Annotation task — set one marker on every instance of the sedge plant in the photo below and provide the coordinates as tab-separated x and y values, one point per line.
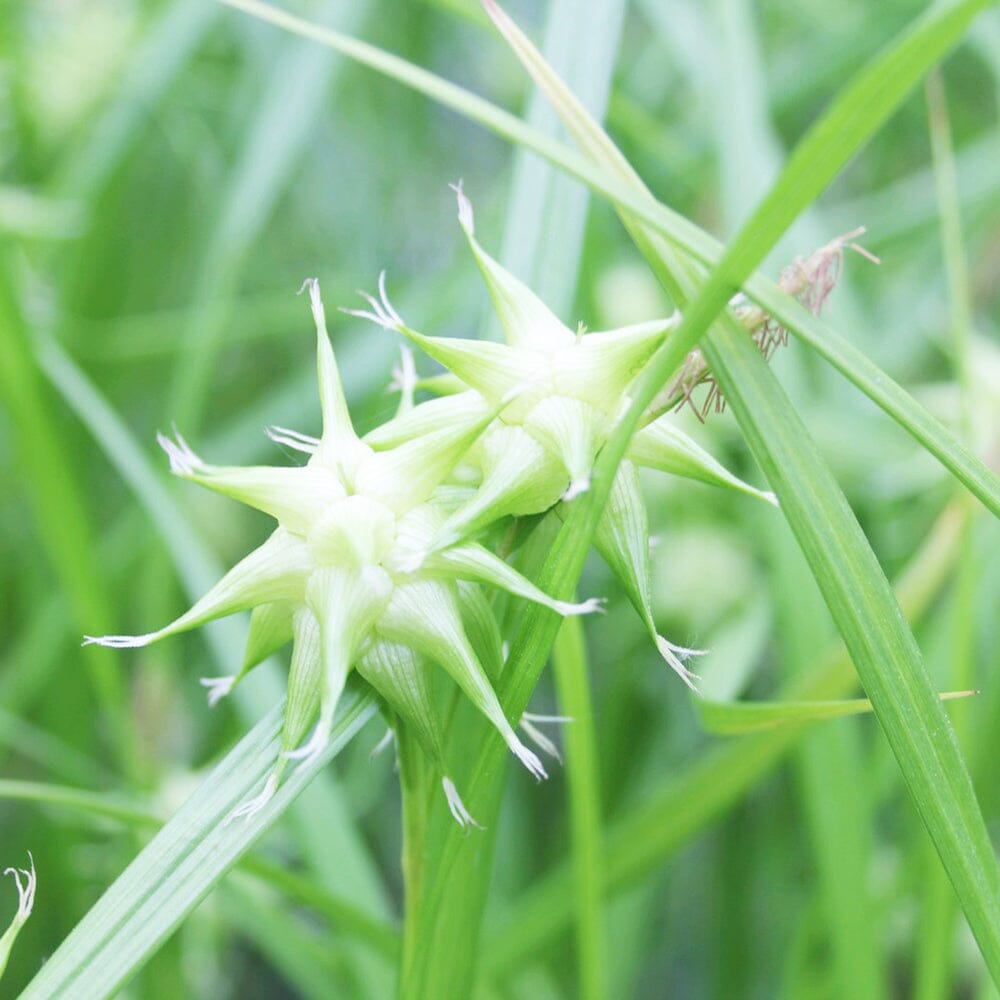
427	569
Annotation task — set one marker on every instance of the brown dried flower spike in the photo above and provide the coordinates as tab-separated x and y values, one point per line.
810	280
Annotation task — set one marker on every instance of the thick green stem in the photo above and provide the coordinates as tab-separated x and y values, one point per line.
413	781
569	665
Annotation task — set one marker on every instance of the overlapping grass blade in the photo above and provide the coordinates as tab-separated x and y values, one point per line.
569	665
936	926
344	914
183	862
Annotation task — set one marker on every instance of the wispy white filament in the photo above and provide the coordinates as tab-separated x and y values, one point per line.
462	815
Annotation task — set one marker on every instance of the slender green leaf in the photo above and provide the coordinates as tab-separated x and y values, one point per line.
311	964
543	243
824	525
936	925
90	803
299	78
569	665
344	914
183	862
734	718
154	65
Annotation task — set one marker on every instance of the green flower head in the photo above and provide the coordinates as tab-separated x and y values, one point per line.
349	577
563	392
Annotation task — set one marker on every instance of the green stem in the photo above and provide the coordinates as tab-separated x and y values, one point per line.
569	664
413	781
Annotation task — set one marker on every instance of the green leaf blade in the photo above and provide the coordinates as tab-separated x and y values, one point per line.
182	863
873	627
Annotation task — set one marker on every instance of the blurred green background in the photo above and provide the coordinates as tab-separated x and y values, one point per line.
170	172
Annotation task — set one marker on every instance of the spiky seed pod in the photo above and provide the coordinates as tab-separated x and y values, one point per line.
564	392
351	574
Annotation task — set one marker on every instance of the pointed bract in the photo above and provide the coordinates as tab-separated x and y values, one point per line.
346	603
526	320
425	615
519	477
294	496
601	366
408	474
481	627
339	447
573	430
474	562
403	679
491	369
270	629
276	571
664	446
428	418
622	538
305	679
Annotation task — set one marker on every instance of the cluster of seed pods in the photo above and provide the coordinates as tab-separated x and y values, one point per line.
377	563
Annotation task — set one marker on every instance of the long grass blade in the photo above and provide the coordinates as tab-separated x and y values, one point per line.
183	862
343	914
936	926
543	244
569	666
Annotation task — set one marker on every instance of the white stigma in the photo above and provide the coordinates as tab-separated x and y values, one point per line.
587	607
575	488
466	218
527	757
462	815
383	744
404	377
293	439
25	891
183	460
539	739
315	301
382	311
218	688
312	748
118	641
528	724
253	806
673	654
